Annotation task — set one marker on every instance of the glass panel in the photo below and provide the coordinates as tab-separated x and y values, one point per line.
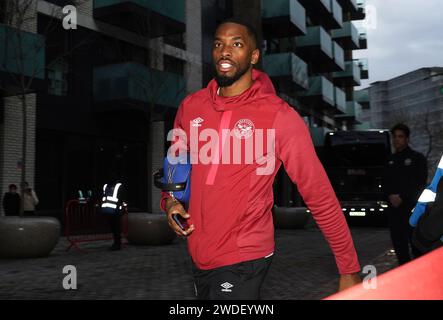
22	52
174	9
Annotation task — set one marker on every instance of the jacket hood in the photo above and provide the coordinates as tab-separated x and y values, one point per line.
261	88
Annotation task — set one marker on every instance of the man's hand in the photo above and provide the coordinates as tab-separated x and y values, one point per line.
175	207
395	200
348	280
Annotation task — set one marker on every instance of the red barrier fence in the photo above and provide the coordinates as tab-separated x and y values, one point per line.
85	223
420	279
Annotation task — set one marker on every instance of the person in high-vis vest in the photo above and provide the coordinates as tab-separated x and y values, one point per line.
427	216
114	205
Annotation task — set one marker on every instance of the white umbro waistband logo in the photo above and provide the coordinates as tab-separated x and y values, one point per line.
226	287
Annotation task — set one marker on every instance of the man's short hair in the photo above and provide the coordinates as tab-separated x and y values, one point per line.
12	186
252	32
401	127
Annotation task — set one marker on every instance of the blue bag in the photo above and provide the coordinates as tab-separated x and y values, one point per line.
176	178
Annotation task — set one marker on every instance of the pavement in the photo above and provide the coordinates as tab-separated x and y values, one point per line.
303	268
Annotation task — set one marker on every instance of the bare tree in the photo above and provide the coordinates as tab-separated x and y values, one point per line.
426	126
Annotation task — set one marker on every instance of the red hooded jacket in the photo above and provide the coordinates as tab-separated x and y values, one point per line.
231	200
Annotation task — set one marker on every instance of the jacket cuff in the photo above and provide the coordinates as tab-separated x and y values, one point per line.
163	199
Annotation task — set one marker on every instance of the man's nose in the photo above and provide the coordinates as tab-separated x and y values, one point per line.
226	52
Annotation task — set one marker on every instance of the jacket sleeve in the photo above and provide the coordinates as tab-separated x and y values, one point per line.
177	125
34	198
295	149
417	182
123	194
431	225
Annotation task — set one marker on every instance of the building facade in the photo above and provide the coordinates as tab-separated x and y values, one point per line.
308	52
416	99
102	97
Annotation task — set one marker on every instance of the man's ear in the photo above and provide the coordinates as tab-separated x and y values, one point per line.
255	56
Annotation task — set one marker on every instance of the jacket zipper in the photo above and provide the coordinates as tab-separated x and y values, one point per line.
224	124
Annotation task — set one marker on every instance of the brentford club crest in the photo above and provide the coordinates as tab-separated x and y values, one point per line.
244	128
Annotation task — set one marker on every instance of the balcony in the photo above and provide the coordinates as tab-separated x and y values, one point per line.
287	68
339	57
327	13
350	77
362	40
337	13
320	93
364	68
316	46
349	5
21	54
134	86
347	36
151	18
362	97
318	135
340	100
283	18
353	112
360	13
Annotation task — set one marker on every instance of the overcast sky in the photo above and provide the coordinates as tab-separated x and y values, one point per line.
407	35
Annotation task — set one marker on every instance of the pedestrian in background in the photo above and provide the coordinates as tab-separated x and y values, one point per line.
30	200
11	201
404	179
114	205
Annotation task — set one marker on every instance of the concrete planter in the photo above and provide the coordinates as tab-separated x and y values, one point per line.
149	229
290	217
28	237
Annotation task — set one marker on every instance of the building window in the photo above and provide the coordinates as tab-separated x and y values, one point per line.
3	10
62	3
2	108
57	76
173	65
134	53
176	40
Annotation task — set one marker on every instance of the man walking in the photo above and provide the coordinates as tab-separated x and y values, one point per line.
231	233
114	206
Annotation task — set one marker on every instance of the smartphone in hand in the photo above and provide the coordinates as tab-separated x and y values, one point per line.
182	223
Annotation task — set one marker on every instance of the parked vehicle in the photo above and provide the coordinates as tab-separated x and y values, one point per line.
355	162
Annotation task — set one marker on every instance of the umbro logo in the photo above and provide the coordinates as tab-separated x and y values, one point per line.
197	122
226	287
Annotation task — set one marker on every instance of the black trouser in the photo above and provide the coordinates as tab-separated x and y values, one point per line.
401	234
235	282
115	220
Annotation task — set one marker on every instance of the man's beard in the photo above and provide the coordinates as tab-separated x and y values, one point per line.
225	81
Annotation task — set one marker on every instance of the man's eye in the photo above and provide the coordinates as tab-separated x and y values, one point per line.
238	44
217	44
